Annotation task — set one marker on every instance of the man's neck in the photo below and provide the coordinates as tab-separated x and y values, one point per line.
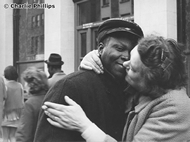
119	81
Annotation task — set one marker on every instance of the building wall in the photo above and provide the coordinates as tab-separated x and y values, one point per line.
59	32
156	16
6	35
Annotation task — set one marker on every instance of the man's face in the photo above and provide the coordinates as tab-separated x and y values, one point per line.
135	70
114	53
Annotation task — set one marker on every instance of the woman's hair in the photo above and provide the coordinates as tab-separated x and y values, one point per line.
36	76
165	64
10	73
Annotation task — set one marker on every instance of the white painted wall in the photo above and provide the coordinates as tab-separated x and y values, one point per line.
6	35
59	32
156	17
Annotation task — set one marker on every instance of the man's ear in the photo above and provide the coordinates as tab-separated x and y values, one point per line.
100	48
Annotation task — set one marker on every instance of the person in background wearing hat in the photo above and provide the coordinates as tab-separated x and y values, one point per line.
37	82
54	64
101	96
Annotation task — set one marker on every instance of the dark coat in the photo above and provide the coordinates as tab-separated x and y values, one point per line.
100	96
29	118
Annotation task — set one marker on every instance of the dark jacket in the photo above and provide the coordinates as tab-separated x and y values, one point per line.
29	118
100	96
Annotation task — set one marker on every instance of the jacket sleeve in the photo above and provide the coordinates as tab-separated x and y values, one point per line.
167	121
93	133
25	132
45	132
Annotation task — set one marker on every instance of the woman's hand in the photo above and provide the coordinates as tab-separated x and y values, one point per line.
91	61
70	117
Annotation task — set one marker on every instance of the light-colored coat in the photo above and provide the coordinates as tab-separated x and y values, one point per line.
2	97
166	118
55	78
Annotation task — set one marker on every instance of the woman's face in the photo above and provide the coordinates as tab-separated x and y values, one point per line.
135	70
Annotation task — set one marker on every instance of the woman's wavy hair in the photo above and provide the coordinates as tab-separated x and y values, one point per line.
165	64
36	76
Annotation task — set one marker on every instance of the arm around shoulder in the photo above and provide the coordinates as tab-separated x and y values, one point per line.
93	133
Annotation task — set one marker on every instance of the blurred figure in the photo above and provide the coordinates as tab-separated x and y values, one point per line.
13	104
54	64
38	86
2	98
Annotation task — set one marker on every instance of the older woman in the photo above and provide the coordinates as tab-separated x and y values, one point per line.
38	86
162	110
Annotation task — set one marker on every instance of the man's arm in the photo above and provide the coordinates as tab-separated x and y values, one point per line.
45	131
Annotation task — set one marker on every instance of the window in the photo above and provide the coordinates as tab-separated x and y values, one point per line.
88	11
42	19
122	1
40	44
37	45
30	50
34	21
105	3
83	44
38	20
33	49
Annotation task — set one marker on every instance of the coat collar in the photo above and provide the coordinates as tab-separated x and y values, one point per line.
143	102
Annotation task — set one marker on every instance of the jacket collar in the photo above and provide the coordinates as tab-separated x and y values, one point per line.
143	102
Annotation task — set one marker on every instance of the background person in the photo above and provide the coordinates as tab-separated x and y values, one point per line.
101	96
2	98
157	70
13	104
54	64
38	86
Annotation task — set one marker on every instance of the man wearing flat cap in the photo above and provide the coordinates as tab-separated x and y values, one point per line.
101	96
54	64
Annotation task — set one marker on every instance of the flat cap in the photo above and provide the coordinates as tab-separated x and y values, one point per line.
118	25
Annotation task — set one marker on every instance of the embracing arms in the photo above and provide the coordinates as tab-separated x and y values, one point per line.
72	117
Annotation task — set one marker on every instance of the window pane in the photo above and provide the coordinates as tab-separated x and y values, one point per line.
83	44
94	37
105	2
33	21
38	20
42	19
84	12
89	11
